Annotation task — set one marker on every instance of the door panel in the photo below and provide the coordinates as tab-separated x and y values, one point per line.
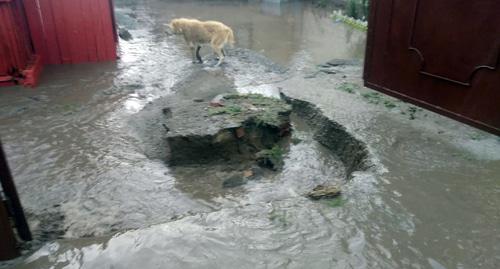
442	55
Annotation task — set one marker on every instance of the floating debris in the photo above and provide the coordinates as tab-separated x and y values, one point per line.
324	192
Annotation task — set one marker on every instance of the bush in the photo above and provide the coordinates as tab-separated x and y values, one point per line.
358	9
352	9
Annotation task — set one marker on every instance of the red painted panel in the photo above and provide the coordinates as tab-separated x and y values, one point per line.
15	45
61	30
50	33
32	72
78	30
57	31
98	26
36	29
78	40
89	31
65	11
108	36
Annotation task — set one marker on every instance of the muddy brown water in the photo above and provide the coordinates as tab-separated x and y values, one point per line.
85	176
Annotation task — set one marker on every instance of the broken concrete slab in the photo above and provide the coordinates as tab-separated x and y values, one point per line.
245	125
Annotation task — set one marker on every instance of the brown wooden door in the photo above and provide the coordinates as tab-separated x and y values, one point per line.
442	55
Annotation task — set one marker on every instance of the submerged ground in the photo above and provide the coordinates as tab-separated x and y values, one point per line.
87	177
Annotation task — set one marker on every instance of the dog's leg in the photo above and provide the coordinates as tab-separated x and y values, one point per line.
223	53
193	53
220	54
198	54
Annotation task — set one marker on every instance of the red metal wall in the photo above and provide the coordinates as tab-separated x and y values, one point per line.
36	32
16	52
72	31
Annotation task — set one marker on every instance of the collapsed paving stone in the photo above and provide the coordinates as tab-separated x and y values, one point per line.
324	192
245	125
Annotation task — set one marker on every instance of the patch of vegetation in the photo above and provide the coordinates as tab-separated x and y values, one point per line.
335	202
349	87
372	97
354	23
321	3
352	9
377	98
412	111
264	111
355	14
270	158
253	98
232	110
267	118
365	5
275	153
389	104
358	9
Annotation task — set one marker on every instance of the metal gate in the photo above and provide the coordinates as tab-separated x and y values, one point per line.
442	55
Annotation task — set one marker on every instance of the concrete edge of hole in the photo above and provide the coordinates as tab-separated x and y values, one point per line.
353	152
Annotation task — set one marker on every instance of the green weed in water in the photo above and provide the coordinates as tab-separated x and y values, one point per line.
389	104
349	87
372	97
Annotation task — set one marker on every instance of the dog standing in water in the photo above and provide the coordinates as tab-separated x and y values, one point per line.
197	32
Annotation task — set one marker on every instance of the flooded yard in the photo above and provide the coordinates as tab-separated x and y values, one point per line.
87	154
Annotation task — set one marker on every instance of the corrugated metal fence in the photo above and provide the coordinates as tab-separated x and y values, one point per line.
35	32
73	31
15	45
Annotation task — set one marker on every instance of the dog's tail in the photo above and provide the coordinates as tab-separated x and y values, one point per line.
230	37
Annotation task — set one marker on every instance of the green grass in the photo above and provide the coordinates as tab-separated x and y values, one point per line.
254	98
354	23
352	9
389	104
232	110
349	87
275	155
372	97
321	3
412	111
267	110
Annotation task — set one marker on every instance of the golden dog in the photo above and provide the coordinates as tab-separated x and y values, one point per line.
197	32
